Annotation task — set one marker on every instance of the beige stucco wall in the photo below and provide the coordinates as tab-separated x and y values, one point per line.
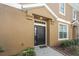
52	31
41	11
68	11
16	32
78	24
53	28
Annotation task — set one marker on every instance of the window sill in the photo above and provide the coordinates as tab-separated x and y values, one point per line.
74	19
63	39
62	13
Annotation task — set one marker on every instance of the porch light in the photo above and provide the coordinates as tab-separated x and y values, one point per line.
40	18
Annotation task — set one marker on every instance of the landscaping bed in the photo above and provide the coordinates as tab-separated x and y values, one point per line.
26	52
69	47
68	51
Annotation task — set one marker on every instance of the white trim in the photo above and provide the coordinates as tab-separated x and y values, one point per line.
67	31
57	18
15	5
18	6
40	20
50	10
45	25
60	9
73	15
62	20
32	5
39	24
38	5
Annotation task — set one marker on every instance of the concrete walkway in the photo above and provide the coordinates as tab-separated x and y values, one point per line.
46	51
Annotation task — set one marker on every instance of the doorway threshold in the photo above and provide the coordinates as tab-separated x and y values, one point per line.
41	46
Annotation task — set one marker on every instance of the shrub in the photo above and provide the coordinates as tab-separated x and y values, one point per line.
27	52
1	49
65	43
76	41
68	43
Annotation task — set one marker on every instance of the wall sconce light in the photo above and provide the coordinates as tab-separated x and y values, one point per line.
40	18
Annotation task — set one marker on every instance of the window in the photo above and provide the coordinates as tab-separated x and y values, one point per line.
74	14
62	8
63	31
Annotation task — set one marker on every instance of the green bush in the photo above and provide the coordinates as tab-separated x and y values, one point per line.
68	43
1	49
65	43
76	41
27	52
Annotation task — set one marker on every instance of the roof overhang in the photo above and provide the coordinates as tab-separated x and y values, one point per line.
27	6
24	5
15	5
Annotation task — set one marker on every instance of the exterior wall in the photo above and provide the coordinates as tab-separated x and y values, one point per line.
78	15
54	41
68	11
16	32
52	31
76	26
70	31
41	11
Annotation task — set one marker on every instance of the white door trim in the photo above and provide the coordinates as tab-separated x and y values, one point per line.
40	24
45	25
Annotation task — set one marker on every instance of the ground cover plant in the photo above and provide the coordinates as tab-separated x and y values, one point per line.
69	47
26	52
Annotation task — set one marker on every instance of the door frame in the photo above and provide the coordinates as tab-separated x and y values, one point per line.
45	25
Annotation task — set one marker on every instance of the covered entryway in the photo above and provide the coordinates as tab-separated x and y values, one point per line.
39	33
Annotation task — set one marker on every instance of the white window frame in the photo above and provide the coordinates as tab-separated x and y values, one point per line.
74	14
59	31
60	9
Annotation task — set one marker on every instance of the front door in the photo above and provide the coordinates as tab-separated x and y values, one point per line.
39	35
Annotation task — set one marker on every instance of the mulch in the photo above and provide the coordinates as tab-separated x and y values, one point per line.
65	52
